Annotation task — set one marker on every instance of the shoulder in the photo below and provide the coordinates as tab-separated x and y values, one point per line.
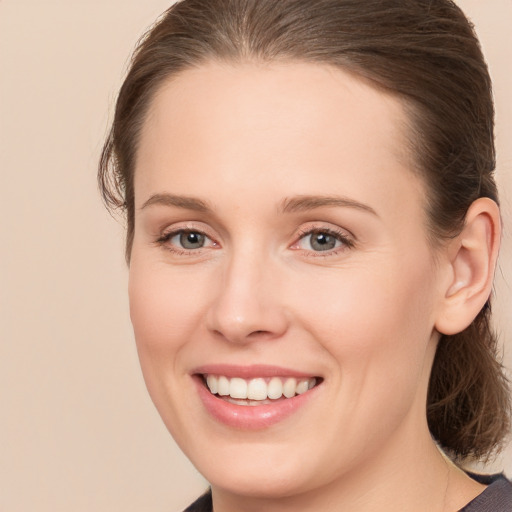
497	496
203	504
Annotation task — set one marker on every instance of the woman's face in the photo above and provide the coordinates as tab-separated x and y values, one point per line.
280	243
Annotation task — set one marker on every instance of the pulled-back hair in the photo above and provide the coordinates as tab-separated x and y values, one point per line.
426	53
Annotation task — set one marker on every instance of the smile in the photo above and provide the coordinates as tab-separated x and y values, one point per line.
259	390
254	397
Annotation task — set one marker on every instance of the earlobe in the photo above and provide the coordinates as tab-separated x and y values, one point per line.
471	263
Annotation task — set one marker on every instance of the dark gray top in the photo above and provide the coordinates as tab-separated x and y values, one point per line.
497	497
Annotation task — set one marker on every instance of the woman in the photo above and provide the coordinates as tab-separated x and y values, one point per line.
312	235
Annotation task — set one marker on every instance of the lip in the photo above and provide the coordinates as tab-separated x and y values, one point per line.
251	371
250	417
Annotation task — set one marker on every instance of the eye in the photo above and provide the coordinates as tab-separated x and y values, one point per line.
323	240
189	239
185	240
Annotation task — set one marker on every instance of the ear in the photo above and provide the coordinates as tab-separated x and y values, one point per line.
469	261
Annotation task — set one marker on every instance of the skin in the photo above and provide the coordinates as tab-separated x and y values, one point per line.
244	140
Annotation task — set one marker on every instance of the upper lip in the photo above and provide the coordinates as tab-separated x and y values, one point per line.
250	371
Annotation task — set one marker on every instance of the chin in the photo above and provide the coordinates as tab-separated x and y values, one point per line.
258	471
259	482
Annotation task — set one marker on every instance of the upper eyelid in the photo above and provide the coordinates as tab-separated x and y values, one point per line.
169	235
314	227
186	226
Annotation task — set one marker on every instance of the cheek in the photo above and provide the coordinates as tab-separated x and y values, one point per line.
377	331
164	306
377	327
358	309
165	311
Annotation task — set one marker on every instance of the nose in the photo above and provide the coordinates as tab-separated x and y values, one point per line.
248	303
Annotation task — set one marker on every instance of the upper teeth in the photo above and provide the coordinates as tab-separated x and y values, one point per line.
259	388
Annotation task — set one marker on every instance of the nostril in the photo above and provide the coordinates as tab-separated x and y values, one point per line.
260	334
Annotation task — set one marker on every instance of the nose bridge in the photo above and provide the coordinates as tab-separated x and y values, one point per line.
247	304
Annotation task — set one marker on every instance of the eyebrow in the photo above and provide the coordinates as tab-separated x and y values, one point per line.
305	203
185	202
289	205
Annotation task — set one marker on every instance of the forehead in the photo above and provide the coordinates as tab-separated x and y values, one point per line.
301	124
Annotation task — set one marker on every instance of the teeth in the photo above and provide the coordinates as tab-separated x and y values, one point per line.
223	386
275	388
212	384
302	387
258	389
290	387
238	388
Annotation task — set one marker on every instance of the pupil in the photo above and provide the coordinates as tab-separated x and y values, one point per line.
190	240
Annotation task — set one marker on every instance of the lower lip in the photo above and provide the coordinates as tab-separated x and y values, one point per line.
247	417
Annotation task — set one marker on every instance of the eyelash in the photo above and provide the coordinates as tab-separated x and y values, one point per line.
340	236
164	239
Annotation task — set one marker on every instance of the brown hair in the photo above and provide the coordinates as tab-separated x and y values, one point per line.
423	51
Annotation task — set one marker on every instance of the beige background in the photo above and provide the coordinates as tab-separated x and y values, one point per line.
77	430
